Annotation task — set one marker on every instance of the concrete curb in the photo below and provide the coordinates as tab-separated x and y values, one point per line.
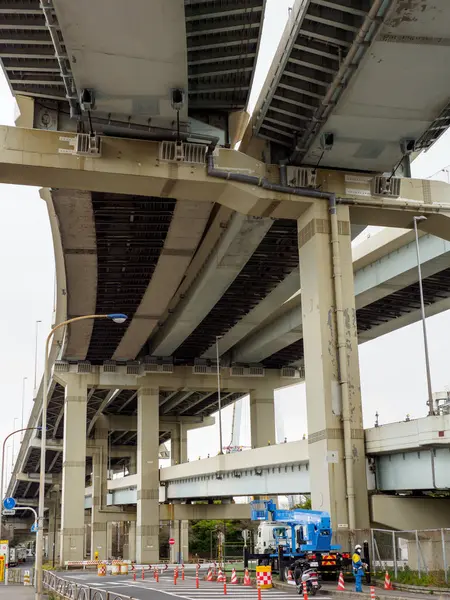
414	589
351	595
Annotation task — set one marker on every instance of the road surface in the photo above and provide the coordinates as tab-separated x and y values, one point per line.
166	590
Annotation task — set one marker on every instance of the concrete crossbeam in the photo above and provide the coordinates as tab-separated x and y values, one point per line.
190	512
181	378
130	423
49	478
46	158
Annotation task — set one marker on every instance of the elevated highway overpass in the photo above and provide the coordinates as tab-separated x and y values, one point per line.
198	241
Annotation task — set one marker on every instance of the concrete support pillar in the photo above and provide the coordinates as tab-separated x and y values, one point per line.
74	469
132	465
147	532
54	525
179	531
109	539
262	419
132	541
99	489
325	408
178	444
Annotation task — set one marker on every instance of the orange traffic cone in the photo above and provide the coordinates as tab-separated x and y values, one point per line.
305	591
234	580
247	581
290	579
341	584
387	582
372	593
220	577
209	577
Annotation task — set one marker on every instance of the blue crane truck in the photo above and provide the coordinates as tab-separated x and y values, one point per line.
286	536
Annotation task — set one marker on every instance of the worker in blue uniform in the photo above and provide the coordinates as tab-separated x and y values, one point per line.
358	568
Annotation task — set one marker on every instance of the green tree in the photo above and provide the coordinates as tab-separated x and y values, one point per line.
305	503
203	534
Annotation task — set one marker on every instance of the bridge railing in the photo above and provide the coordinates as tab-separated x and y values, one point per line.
69	590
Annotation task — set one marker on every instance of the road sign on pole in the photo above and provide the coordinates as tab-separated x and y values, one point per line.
9	503
34	527
171	541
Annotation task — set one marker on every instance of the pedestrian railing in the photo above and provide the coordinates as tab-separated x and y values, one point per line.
69	590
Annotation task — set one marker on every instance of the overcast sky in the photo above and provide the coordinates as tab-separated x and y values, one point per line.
392	367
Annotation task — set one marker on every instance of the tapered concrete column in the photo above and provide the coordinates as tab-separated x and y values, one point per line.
262	419
323	388
99	489
147	531
178	444
74	469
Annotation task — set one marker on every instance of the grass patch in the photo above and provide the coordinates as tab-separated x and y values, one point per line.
407	576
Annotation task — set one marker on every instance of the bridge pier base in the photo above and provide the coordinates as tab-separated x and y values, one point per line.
330	486
147	531
262	418
74	469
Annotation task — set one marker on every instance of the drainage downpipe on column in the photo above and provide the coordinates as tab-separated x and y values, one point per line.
337	278
342	361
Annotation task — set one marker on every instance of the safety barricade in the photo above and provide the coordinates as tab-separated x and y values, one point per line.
264	577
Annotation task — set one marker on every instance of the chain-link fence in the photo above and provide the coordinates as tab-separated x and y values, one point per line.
413	557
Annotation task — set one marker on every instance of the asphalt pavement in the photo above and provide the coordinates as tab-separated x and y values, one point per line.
150	590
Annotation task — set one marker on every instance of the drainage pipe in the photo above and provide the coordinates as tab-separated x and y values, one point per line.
342	362
69	83
340	326
371	19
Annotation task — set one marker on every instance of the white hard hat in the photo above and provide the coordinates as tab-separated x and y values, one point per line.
358	547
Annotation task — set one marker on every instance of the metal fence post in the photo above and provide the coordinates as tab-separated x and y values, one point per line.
444	556
418	553
372	545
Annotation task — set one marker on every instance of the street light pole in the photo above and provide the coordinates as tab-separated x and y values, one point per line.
35	355
219	399
424	325
2	479
13	445
23	400
117	318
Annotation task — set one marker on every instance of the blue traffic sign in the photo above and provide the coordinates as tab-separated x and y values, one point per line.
9	503
34	528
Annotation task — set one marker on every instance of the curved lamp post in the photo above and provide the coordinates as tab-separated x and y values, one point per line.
117	318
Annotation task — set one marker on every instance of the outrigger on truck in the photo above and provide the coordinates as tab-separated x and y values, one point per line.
288	536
